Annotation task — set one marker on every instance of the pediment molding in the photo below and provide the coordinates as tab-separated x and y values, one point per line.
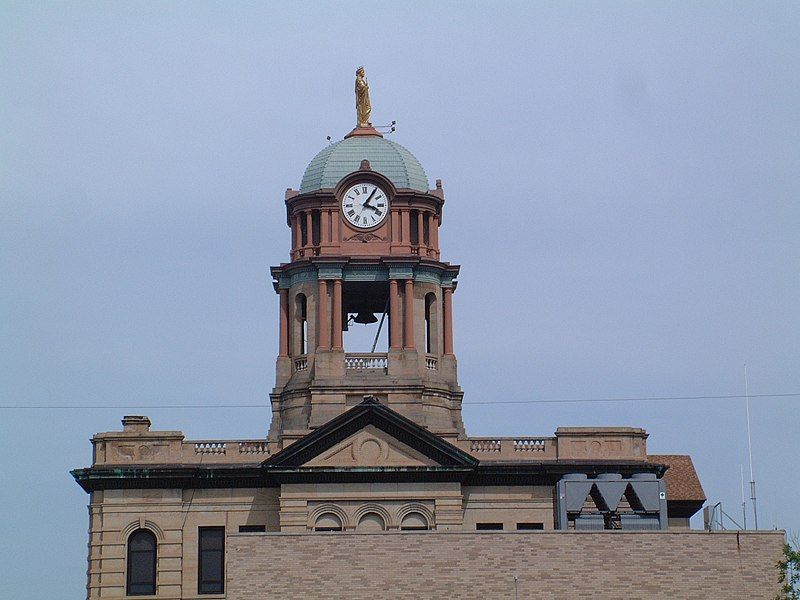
390	432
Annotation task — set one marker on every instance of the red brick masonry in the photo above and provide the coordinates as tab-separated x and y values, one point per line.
482	565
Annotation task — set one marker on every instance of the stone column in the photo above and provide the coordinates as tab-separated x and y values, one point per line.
409	315
396	230
295	233
433	234
324	333
420	229
309	230
405	216
324	219
395	327
284	323
335	227
337	315
448	321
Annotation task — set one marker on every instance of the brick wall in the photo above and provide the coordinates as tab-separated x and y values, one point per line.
482	565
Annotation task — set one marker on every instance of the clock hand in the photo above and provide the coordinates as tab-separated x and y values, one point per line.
366	202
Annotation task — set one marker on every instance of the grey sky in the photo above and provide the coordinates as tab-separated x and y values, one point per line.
638	163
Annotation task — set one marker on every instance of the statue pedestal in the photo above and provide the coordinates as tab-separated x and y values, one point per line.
364	130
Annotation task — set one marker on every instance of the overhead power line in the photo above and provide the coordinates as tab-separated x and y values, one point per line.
470	403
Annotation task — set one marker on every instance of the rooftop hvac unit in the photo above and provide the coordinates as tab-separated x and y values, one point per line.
640	522
589	523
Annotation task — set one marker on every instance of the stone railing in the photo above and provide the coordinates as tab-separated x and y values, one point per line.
366	361
431	362
210	447
169	447
481	445
225	451
529	444
301	363
253	448
517	448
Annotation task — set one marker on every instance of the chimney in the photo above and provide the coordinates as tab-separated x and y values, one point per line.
135	424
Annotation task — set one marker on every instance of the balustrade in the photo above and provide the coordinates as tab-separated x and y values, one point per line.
431	362
226	450
529	445
544	448
301	363
366	361
210	447
253	448
485	445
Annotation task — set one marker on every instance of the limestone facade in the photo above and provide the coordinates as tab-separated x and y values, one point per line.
372	443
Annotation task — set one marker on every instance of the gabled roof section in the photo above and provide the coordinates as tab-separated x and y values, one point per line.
681	477
371	412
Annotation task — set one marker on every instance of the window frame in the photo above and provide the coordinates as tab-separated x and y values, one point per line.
151	591
530	526
202	584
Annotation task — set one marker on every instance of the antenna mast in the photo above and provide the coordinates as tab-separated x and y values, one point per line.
750	451
744	505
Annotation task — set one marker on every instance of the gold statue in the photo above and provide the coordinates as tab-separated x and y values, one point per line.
363	107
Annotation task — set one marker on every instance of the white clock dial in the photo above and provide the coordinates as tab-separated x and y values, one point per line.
365	205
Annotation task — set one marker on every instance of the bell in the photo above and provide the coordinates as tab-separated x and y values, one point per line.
365	318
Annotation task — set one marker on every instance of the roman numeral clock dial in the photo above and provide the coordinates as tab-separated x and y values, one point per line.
365	205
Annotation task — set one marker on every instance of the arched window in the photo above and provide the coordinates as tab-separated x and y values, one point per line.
430	324
414	521
328	522
301	320
414	233
371	522
141	563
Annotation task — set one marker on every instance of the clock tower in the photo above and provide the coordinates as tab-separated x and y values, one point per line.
365	254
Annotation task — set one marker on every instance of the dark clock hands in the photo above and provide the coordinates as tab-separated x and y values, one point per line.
366	202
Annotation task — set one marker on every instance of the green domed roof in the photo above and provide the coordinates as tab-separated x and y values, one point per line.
387	158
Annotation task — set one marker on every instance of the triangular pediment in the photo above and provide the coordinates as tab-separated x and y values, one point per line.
370	436
371	447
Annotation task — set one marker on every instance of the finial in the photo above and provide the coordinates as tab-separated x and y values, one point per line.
363	106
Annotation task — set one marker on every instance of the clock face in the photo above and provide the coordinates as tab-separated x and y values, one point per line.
365	205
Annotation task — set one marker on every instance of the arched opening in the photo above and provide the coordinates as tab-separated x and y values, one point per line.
303	230
414	521
316	229
365	307
371	522
414	232
430	324
328	522
301	323
141	576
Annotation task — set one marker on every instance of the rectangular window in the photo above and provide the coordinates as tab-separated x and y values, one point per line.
530	526
252	528
211	560
489	526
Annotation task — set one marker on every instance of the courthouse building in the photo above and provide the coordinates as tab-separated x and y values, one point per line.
373	443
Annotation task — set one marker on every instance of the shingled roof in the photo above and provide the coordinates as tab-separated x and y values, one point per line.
681	477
